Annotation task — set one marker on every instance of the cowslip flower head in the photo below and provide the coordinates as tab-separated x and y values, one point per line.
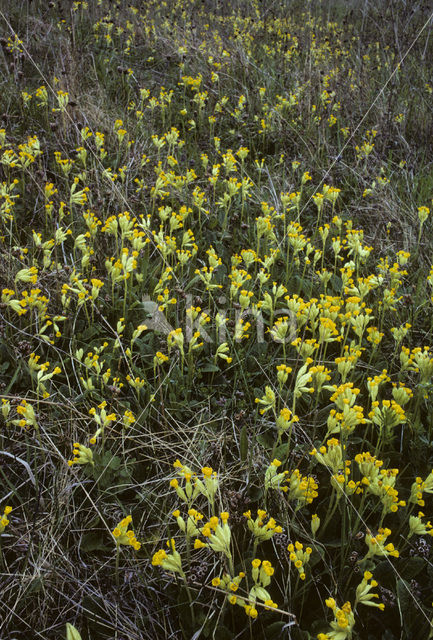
123	536
82	455
4	521
363	595
377	545
259	528
169	561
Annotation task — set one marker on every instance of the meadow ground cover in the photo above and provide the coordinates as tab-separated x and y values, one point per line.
216	280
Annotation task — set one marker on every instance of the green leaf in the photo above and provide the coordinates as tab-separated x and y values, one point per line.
4	367
149	306
209	367
223	633
336	283
255	493
244	443
301	634
318	554
266	440
72	633
95	609
93	541
281	451
115	463
184	609
274	630
36	586
412	567
384	574
17	373
406	605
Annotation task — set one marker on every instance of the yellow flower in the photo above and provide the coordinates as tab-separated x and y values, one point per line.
251	611
123	536
4	520
198	544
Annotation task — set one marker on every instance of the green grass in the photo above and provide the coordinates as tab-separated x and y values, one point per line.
215	253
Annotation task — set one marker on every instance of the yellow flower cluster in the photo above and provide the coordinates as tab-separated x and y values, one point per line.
123	536
299	557
208	487
82	455
301	488
260	529
377	545
417	526
4	521
343	622
168	561
419	487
